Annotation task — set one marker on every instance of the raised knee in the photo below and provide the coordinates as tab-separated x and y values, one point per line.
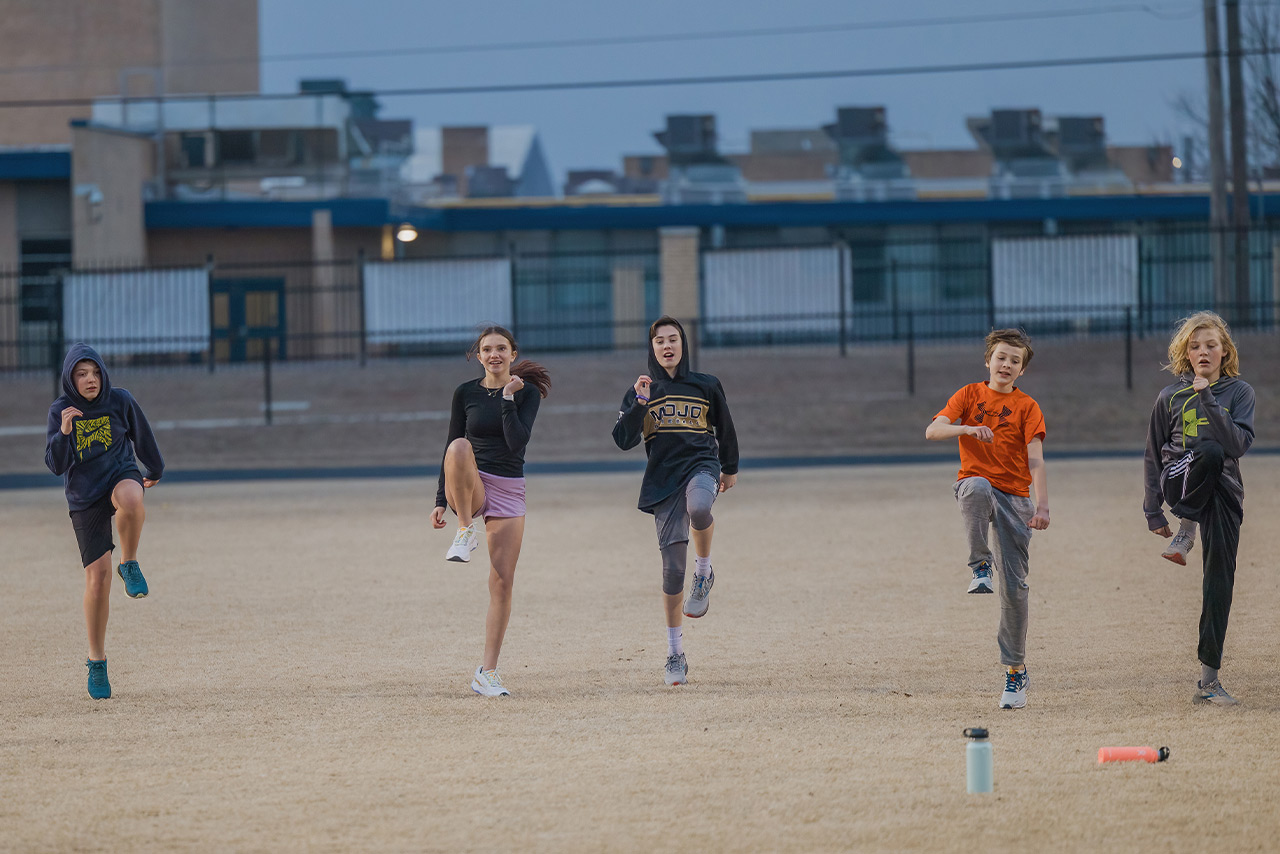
1211	452
459	449
700	518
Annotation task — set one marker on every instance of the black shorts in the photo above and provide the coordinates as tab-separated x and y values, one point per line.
93	524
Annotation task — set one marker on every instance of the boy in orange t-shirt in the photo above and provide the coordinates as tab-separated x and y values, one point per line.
1001	433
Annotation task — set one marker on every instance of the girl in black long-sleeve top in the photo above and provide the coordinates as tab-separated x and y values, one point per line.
482	475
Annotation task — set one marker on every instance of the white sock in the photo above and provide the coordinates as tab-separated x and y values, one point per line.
675	640
701	566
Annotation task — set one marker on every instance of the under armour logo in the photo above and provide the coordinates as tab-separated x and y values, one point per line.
1003	414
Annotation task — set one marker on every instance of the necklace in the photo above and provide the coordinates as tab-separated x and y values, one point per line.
493	392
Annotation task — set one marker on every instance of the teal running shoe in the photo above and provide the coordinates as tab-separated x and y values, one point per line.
99	687
135	586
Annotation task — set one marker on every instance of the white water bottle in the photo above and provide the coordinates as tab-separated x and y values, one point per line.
977	759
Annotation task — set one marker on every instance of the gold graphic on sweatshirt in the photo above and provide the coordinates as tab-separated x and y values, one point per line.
90	430
1191	423
672	414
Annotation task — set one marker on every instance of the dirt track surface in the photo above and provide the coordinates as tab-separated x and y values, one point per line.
785	402
298	679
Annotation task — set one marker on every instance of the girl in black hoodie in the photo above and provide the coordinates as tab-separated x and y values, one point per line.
688	434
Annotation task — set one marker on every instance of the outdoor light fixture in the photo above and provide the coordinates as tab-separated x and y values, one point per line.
1177	163
406	233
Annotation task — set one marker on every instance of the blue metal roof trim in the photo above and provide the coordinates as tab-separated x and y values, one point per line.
35	165
347	213
374	213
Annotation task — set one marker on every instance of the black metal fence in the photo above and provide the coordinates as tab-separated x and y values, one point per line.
837	294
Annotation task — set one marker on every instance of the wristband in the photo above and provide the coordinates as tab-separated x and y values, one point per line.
640	399
510	397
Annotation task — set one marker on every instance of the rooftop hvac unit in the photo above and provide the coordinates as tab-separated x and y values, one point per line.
863	125
1015	128
689	138
1081	134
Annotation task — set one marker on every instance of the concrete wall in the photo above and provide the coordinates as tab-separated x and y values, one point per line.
90	43
8	229
108	173
8	275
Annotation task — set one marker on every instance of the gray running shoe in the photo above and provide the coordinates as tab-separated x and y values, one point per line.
1014	695
1213	693
677	669
981	582
1178	548
699	595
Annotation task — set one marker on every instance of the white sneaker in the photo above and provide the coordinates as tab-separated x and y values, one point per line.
1015	689
1178	548
464	543
487	683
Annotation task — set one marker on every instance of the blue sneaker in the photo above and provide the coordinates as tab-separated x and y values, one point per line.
981	582
1015	688
135	586
99	687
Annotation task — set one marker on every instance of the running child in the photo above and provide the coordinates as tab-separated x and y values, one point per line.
482	476
1200	427
688	434
1001	432
93	433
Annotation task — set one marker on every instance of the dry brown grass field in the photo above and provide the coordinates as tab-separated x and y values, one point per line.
298	679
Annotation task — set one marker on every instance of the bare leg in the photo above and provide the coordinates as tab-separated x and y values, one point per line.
673	603
463	488
702	540
130	514
97	604
504	537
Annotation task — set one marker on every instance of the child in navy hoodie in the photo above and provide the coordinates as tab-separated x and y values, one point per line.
94	431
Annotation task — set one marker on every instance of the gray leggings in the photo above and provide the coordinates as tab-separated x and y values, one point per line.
689	506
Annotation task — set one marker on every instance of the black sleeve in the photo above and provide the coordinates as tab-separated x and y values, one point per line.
629	428
726	435
457	429
518	416
144	440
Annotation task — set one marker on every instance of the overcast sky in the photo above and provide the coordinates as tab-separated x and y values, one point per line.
592	129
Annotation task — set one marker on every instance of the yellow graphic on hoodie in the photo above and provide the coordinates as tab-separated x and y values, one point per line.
90	430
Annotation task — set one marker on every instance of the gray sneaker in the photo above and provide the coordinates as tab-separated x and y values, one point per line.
981	582
677	669
1213	693
699	595
1178	548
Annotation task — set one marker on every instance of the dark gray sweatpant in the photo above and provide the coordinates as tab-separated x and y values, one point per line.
984	508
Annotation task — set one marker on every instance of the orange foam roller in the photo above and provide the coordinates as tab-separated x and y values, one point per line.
1131	754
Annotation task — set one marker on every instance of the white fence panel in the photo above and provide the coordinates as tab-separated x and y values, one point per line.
142	311
1061	278
773	292
433	301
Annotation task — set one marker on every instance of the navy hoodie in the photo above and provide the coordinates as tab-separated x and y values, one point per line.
100	450
685	426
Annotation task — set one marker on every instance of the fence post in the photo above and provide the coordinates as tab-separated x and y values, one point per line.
266	378
208	266
844	301
513	263
364	334
58	344
1128	347
911	353
693	343
893	293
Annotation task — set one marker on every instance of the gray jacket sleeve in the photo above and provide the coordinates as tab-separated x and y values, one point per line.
1157	436
1232	426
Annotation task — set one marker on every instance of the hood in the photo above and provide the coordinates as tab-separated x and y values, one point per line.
78	353
656	371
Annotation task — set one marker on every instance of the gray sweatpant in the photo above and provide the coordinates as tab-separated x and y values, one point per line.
983	507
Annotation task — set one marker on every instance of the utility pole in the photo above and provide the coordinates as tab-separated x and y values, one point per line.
1239	162
1217	155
